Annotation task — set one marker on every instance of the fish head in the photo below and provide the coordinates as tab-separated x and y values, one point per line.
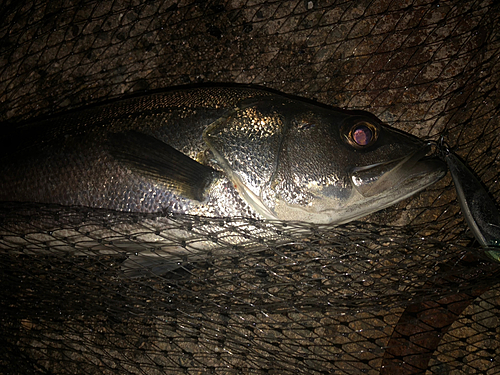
297	161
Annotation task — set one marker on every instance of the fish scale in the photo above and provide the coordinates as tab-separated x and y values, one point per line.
260	161
141	154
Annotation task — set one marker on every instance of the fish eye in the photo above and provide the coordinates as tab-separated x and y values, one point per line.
363	134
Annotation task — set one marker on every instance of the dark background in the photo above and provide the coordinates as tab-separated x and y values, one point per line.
428	67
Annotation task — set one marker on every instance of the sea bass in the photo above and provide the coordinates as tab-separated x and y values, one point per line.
133	176
218	152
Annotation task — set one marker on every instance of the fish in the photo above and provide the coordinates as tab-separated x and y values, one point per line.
478	208
225	151
217	151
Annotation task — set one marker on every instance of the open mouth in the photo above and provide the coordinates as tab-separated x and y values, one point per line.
419	169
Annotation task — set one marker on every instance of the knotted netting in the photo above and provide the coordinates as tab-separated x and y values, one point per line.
405	290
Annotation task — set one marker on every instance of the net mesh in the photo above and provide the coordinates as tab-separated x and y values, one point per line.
404	291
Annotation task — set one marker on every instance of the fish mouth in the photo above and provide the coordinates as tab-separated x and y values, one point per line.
408	175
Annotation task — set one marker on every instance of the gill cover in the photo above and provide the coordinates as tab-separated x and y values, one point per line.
246	144
282	157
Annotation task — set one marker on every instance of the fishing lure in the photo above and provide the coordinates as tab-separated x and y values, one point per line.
479	209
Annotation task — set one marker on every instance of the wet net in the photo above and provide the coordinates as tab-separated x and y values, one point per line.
405	290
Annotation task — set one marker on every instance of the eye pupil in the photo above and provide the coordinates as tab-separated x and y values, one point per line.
362	135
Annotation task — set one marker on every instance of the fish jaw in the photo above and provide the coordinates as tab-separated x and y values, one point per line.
380	186
388	184
375	179
407	182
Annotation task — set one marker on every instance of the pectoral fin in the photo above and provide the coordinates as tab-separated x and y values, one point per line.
151	158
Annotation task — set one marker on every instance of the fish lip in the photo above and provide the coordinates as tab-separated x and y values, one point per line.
371	180
416	155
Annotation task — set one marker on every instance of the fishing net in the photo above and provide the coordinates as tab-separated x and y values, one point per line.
405	290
